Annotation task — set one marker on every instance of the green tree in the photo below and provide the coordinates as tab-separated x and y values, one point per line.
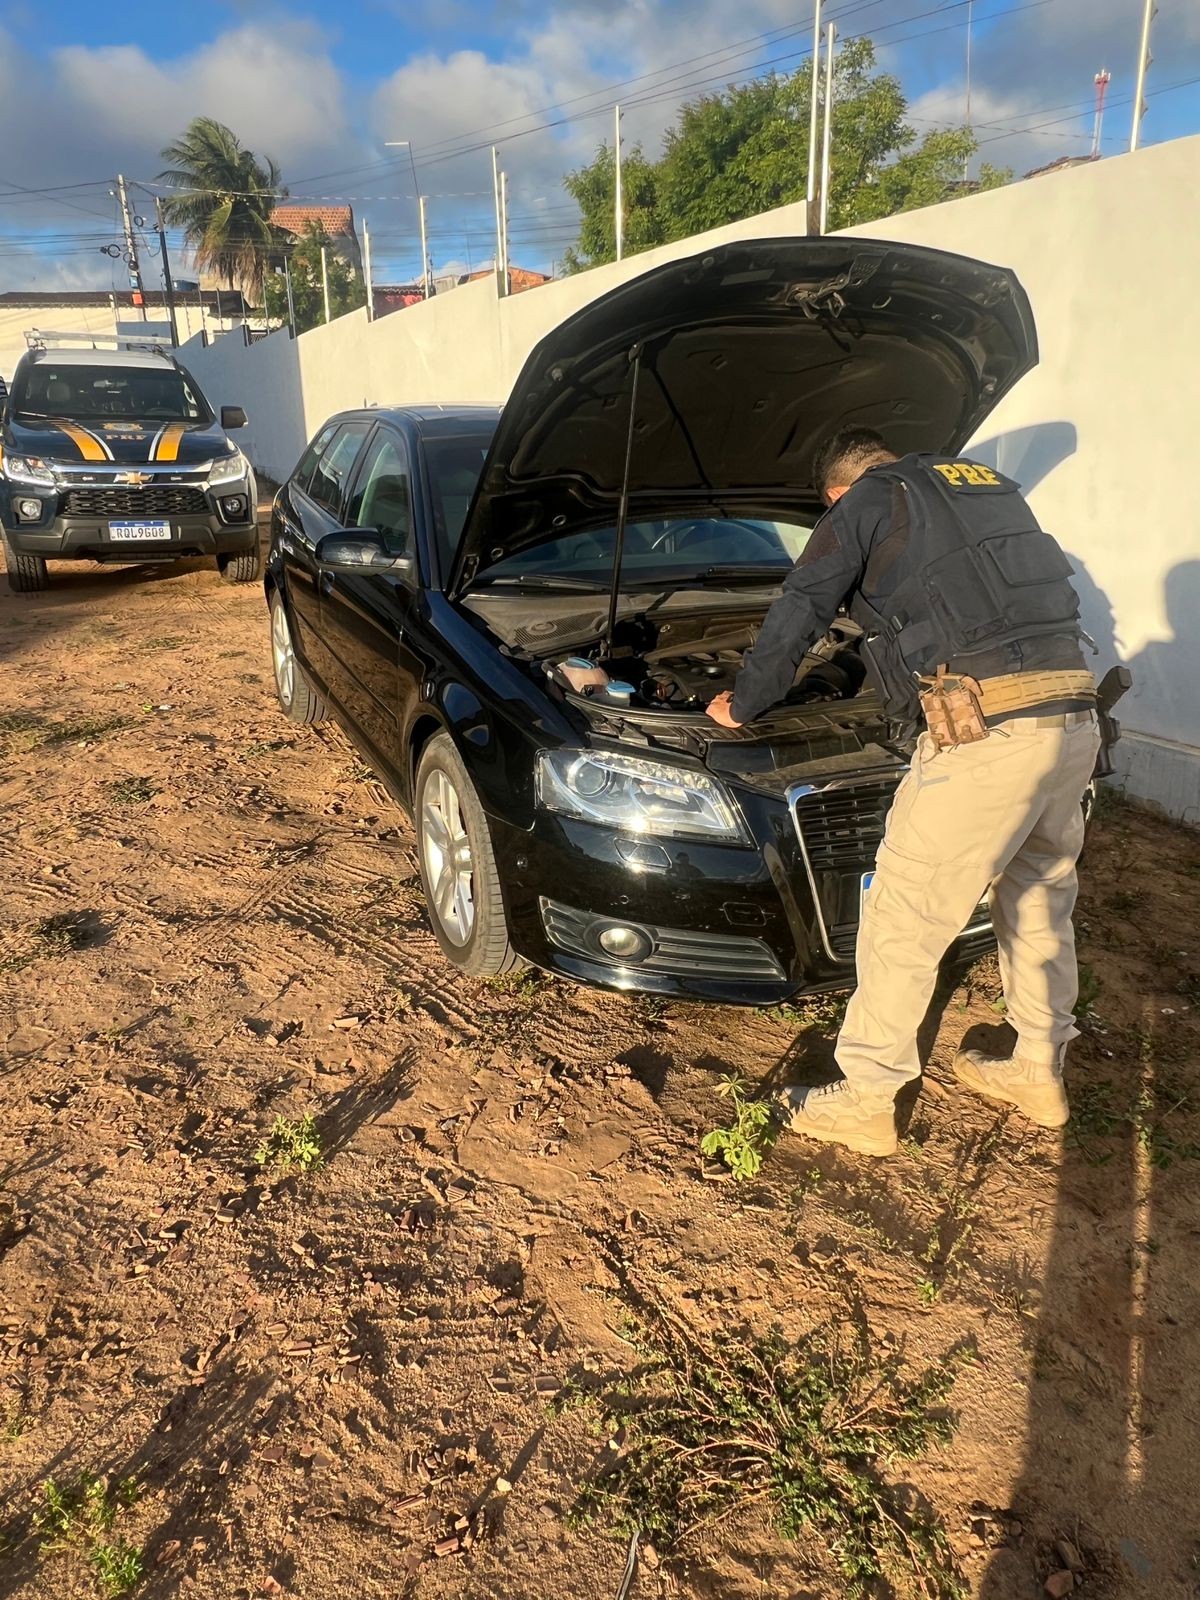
347	291
744	151
223	201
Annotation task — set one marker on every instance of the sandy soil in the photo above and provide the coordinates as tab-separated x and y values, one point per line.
209	917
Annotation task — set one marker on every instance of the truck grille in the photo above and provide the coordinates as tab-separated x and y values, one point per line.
840	830
152	500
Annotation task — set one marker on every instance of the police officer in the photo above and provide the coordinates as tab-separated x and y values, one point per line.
971	631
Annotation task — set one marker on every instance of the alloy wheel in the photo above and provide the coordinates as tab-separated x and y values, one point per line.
446	851
282	655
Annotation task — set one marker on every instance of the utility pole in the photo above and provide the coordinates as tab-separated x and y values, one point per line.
287	284
325	278
618	197
501	275
1102	80
827	140
1144	58
813	120
367	271
131	251
424	249
168	281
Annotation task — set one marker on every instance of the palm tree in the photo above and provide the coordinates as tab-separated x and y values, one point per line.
223	200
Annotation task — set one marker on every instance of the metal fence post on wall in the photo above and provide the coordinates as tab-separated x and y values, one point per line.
367	272
618	196
501	251
325	279
814	112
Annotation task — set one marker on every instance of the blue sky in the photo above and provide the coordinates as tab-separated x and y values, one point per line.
86	91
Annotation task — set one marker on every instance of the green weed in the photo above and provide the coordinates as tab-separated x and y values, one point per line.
22	731
1089	992
117	1567
172	641
713	1423
823	1012
1098	1114
132	791
752	1132
292	1146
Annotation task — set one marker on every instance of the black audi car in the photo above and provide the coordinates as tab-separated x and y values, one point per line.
520	616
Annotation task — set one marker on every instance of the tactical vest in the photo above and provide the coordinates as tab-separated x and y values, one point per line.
975	575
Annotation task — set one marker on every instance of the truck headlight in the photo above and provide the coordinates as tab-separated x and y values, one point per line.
28	469
633	795
230	469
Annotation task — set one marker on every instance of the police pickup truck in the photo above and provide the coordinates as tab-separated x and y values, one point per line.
115	455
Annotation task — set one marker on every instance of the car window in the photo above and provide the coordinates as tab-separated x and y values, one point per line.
453	466
382	495
302	476
335	466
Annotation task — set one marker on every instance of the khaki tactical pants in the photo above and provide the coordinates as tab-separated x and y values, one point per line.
1001	817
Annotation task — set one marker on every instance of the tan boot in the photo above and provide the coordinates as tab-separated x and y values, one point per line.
1034	1087
837	1115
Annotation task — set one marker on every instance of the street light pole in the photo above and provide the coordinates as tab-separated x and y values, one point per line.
325	279
504	225
827	141
501	248
406	144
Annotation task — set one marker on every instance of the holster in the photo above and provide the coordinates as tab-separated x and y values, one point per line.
953	709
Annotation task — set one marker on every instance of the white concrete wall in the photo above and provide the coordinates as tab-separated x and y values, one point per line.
1102	434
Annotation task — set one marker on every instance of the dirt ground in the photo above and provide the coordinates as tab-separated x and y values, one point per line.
210	917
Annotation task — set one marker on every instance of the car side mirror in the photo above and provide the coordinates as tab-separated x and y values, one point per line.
360	550
233	417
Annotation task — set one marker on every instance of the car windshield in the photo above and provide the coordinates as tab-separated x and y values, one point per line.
130	394
670	549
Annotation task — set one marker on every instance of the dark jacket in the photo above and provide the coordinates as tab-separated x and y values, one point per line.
938	560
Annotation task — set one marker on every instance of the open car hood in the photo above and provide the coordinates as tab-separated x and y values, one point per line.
750	356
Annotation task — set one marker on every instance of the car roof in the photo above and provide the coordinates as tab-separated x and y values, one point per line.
432	420
101	358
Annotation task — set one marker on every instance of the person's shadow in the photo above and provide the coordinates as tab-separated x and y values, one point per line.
1166	672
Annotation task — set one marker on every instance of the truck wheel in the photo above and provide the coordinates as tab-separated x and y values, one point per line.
26	574
240	568
458	865
298	700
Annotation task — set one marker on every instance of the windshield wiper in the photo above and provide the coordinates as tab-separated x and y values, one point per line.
542	580
746	572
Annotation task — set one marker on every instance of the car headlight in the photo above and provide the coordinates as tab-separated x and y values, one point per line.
637	796
28	469
230	469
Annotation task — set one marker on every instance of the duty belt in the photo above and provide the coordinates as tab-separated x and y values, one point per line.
1019	691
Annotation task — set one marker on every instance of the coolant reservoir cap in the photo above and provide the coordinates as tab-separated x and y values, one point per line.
617	690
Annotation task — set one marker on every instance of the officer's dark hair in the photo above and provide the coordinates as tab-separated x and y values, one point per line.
846	456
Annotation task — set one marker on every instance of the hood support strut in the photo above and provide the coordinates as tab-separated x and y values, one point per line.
635	359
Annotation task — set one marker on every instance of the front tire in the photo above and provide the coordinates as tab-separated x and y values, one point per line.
26	574
244	567
297	699
458	865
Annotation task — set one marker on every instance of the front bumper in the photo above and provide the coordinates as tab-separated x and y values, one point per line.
726	923
208	526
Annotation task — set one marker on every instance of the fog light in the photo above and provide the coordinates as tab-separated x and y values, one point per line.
233	505
30	510
628	944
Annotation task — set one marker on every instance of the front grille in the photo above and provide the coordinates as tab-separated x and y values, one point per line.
676	952
151	500
840	830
